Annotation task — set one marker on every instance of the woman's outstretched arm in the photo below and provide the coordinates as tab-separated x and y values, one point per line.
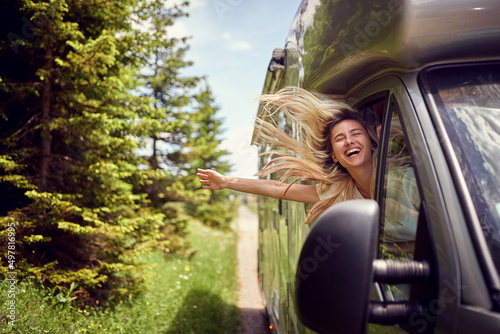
270	188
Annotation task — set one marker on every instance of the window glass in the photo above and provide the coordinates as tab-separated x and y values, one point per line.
400	202
468	101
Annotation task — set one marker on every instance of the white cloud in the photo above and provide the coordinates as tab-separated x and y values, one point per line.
178	30
240	46
236	45
243	156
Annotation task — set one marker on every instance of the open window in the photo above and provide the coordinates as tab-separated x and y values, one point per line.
404	233
400	198
398	193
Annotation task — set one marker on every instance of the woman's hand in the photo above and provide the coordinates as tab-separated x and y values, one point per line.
211	179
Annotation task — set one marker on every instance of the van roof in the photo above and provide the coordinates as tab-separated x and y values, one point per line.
344	43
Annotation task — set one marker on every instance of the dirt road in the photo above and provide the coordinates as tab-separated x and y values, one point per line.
254	318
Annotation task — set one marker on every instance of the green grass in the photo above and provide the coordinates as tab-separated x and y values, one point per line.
183	295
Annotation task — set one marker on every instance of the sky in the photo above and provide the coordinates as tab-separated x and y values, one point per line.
231	43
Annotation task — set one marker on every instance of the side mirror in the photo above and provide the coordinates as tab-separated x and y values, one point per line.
337	268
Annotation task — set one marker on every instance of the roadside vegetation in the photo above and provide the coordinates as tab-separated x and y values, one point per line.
104	227
191	293
101	134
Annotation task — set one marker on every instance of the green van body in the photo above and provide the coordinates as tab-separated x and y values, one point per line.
399	52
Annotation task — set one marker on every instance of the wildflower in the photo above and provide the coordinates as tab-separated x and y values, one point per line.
187	268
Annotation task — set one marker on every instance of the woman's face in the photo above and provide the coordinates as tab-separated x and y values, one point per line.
351	144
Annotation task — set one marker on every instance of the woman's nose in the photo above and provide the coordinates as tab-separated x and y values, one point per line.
348	141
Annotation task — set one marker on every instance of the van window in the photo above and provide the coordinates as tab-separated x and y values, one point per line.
400	201
467	99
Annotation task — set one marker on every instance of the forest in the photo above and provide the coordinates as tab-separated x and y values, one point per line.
100	138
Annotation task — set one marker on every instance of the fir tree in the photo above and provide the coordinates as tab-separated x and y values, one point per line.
203	151
84	87
67	156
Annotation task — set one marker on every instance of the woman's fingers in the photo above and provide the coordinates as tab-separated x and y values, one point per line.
203	173
204	176
206	184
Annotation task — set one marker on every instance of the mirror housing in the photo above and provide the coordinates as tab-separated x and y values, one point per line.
334	274
337	268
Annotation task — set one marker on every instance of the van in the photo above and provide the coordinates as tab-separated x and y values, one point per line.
426	75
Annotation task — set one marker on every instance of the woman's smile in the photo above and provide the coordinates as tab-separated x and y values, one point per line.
351	145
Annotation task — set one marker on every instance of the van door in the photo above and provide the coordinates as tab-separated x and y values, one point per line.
404	178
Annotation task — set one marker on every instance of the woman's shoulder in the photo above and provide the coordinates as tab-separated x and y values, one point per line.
326	190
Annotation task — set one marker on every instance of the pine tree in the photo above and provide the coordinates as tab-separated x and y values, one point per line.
84	87
203	151
68	158
162	125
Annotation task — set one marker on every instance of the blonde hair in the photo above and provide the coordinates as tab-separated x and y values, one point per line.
314	115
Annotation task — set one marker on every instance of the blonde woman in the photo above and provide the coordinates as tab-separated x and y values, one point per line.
337	151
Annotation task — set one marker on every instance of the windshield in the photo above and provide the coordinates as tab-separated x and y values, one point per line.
468	101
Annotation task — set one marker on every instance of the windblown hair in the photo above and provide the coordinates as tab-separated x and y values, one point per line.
309	157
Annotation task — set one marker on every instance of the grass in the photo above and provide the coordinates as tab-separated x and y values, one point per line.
183	295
